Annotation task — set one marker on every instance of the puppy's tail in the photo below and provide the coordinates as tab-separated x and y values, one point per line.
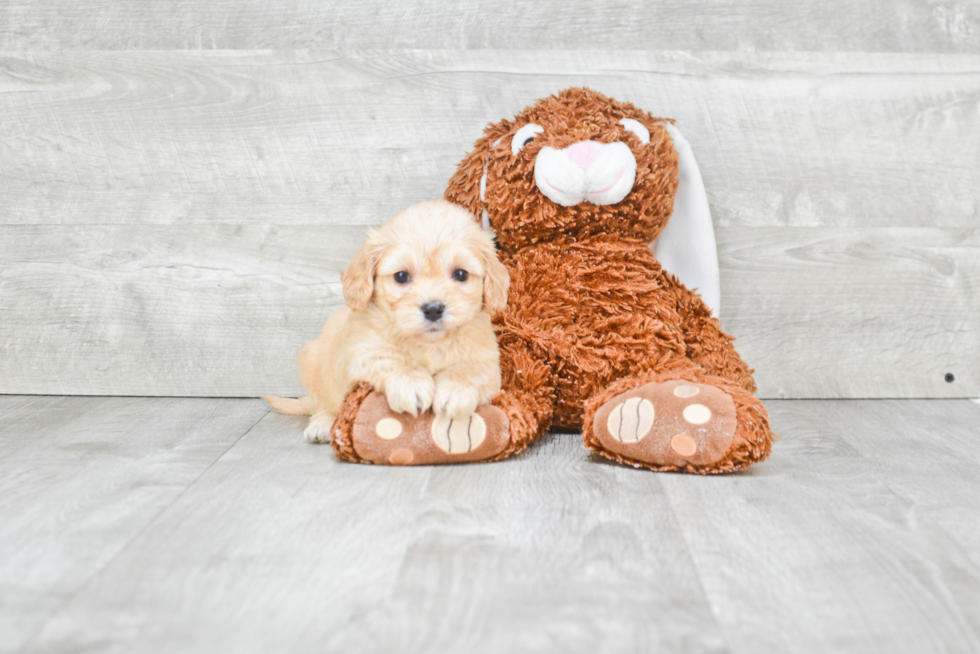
289	406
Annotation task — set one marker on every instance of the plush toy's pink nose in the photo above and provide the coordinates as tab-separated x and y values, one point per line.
584	153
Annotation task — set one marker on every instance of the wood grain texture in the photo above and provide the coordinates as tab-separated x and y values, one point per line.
81	478
841	542
328	137
223	310
318	555
854	312
739	25
184	310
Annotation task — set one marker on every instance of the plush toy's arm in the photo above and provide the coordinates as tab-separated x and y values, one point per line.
686	247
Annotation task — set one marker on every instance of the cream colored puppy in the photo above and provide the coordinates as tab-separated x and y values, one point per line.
417	322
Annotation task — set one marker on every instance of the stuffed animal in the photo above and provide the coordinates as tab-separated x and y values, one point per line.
597	336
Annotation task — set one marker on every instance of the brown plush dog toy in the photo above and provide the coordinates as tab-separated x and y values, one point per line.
597	336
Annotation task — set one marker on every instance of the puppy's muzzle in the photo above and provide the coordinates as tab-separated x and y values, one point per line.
433	311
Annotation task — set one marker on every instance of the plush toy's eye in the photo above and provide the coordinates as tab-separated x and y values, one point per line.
524	136
402	277
637	128
460	275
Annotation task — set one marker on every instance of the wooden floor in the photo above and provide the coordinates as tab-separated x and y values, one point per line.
207	525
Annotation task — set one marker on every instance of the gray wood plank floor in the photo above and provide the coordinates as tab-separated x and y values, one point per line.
835	25
174	221
326	137
223	311
203	525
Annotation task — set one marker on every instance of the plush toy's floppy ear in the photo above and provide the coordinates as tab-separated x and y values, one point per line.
686	247
358	277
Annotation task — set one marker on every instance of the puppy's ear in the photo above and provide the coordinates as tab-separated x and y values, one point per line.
496	281
358	278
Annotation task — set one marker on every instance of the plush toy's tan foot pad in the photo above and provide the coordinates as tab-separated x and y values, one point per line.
388	438
674	423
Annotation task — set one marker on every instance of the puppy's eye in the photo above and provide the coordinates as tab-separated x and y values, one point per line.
637	128
460	275
402	277
524	136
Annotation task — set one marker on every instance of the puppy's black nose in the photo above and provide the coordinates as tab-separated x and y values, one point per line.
433	311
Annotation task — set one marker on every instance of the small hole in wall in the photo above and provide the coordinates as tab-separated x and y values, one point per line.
950	378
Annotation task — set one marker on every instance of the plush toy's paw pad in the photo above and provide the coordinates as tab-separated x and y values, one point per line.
674	423
383	436
459	435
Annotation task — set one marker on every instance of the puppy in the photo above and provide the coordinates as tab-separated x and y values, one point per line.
416	325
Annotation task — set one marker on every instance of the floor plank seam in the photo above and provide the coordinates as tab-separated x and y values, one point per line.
697	569
95	575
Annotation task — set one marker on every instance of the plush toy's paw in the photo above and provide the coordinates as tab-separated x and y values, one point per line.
674	423
383	436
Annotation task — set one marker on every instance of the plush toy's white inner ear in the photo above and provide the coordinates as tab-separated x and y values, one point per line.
637	128
686	247
483	187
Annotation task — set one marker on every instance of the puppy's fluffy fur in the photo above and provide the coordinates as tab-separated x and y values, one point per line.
383	336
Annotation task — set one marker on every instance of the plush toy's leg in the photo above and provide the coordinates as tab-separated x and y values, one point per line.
368	431
708	346
685	421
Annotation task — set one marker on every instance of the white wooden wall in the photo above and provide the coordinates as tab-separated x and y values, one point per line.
181	182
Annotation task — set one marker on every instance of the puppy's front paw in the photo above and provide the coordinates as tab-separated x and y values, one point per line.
455	401
318	431
410	394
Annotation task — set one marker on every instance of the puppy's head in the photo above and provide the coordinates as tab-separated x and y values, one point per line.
428	271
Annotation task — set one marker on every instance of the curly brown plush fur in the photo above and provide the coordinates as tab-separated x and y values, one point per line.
590	311
343	426
592	319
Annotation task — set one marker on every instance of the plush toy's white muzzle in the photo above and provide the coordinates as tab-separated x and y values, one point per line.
599	173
